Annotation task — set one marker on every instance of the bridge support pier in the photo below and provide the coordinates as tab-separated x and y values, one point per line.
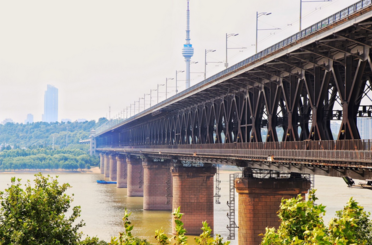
193	192
106	165
102	163
135	177
157	192
121	171
259	200
113	167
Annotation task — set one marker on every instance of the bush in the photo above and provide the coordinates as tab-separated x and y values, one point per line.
37	215
302	223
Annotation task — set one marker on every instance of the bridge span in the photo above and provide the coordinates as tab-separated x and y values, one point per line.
168	153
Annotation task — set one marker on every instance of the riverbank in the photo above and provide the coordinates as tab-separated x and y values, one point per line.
93	170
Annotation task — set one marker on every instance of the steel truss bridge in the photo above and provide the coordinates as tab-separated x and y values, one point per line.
297	86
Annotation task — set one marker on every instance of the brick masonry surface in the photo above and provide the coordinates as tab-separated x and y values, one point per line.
259	201
106	165
134	177
101	163
193	192
157	192
113	168
121	162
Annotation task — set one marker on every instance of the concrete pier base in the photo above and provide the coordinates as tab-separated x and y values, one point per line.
193	192
157	191
101	163
135	177
259	201
113	168
121	171
106	165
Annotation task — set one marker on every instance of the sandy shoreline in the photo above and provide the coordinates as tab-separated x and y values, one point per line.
94	170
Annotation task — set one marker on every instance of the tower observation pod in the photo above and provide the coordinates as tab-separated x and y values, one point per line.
187	50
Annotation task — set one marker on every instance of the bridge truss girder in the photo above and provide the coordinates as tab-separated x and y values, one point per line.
290	91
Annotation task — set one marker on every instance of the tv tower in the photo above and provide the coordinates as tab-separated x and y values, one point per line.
187	50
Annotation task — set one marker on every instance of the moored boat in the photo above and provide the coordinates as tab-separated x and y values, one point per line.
105	182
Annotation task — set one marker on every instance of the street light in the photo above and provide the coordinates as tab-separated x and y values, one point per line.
151	95
139	104
166	86
157	93
177	80
313	1
205	61
144	101
227	37
257	16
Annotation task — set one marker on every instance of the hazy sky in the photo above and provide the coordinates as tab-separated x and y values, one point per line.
110	53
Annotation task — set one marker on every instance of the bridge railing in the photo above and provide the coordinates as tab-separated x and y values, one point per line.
339	16
340	158
331	145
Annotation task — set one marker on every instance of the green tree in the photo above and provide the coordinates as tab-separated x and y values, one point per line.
302	223
37	214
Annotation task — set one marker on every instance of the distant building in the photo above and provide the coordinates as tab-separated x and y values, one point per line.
365	127
50	104
81	120
7	120
65	120
29	118
335	128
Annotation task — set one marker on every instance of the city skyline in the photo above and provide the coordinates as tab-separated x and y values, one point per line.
95	66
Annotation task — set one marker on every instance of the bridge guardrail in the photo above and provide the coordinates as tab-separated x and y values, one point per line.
341	15
334	145
288	155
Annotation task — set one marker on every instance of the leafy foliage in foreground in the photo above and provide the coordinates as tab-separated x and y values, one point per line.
206	238
302	223
36	215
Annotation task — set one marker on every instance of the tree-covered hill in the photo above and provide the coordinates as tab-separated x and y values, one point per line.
46	159
42	133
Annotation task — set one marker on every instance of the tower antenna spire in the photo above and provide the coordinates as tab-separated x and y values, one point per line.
188	50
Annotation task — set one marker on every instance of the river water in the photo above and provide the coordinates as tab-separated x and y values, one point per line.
103	205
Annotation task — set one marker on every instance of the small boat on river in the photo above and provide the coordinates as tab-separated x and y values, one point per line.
361	185
105	182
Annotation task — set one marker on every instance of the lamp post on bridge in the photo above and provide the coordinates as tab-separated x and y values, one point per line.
258	15
157	93
151	95
139	104
144	101
166	86
312	1
205	60
177	80
227	48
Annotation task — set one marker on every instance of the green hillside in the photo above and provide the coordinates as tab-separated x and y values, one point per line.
41	134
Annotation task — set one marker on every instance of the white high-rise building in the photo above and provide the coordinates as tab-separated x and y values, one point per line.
50	104
364	125
29	118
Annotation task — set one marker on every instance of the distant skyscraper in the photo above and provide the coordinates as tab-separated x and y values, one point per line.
29	119
365	127
188	50
50	104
